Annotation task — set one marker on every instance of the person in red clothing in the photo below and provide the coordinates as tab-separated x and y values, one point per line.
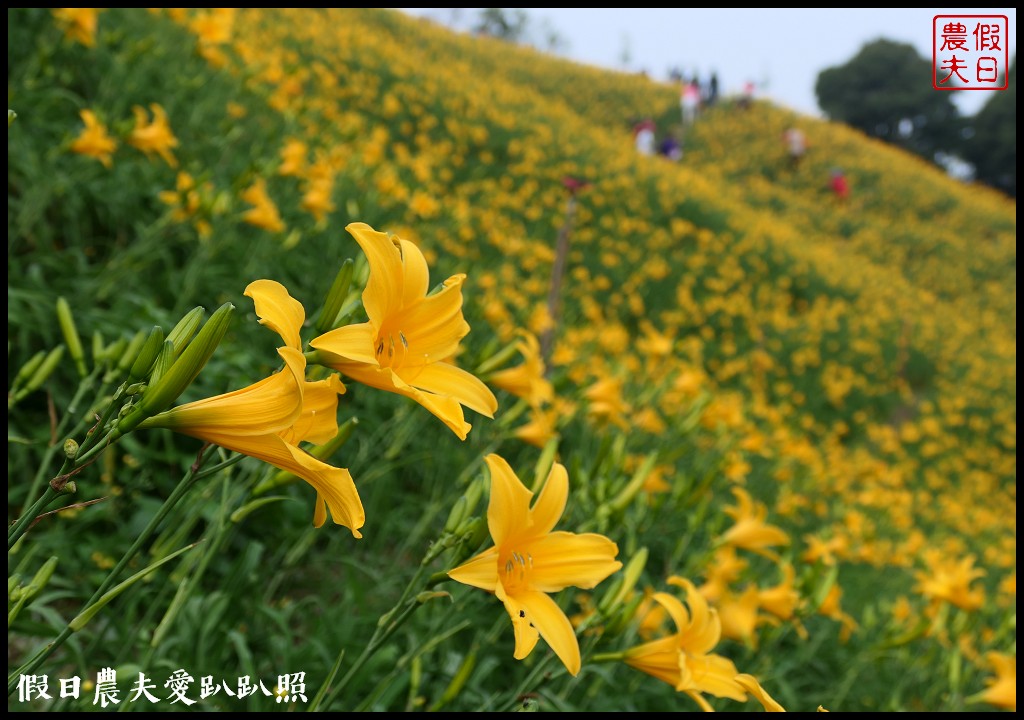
839	185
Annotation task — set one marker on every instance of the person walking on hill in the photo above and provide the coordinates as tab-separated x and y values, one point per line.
690	102
839	185
796	146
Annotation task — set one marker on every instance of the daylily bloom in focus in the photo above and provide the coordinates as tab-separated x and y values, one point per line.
1002	689
264	212
404	346
79	23
752	686
684	660
154	136
268	419
94	140
750	531
528	560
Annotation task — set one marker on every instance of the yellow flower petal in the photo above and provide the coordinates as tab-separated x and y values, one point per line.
660	658
508	509
265	407
353	343
561	559
550	504
318	422
447	379
434	325
552	624
714	674
752	686
526	635
481	571
385	288
417	276
278	310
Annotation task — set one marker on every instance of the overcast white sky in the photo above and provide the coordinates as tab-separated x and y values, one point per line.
780	49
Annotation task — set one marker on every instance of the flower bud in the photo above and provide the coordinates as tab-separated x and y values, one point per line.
165	390
45	369
128	355
70	448
335	298
27	371
621	591
74	343
146	355
186	328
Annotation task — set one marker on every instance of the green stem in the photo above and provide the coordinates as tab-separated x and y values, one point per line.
30	515
71	411
186	483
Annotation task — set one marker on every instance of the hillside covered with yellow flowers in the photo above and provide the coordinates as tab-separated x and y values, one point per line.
793	413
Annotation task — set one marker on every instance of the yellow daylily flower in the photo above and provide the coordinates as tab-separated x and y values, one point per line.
750	530
606	403
404	346
950	580
527	380
739	615
540	429
264	212
293	158
684	660
752	686
830	608
79	23
154	136
94	140
783	599
268	419
1002	689
528	560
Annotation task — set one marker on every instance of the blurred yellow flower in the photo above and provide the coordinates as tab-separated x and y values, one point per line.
783	599
293	158
79	24
830	609
540	429
264	212
949	580
153	136
186	202
750	531
606	403
527	380
94	140
739	615
528	560
268	419
1002	689
404	346
684	660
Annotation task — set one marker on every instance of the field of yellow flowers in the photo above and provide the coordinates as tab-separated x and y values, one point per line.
358	365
